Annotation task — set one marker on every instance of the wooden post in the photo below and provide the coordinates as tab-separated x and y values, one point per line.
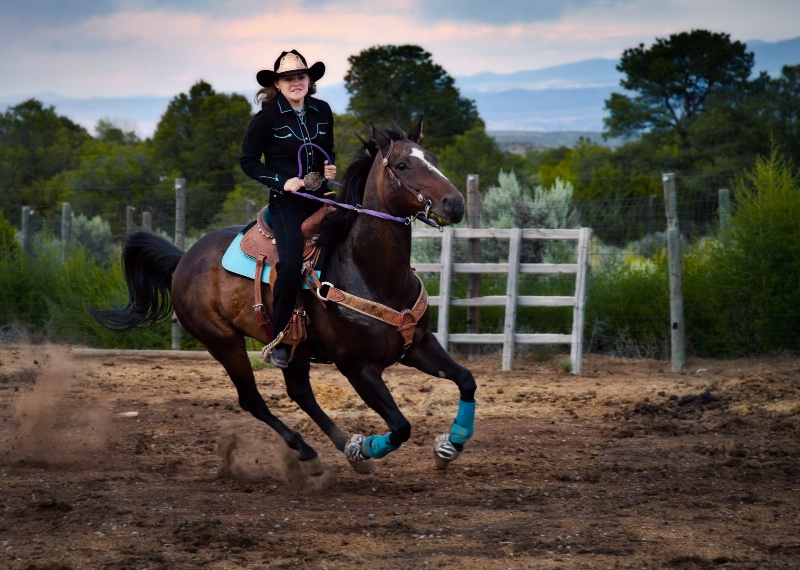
180	239
474	247
147	221
724	209
129	219
512	287
445	279
677	325
180	212
248	215
579	311
25	228
66	229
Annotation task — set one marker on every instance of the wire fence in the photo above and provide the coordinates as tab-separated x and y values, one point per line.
616	221
622	228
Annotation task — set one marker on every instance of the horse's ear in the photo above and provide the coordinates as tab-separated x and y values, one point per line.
416	133
377	140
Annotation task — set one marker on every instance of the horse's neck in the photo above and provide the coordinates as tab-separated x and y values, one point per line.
377	253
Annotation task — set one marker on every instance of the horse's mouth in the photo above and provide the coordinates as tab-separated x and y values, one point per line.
434	217
445	219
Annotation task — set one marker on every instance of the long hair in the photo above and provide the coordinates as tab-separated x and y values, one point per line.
266	95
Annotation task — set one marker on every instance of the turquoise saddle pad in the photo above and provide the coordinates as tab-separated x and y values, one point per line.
237	262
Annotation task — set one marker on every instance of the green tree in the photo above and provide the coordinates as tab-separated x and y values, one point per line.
199	138
783	117
115	170
35	145
673	81
473	152
398	84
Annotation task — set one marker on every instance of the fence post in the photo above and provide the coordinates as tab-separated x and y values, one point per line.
677	324
579	310
724	208
129	219
474	246
180	238
510	326
25	228
249	210
66	229
147	221
180	212
445	278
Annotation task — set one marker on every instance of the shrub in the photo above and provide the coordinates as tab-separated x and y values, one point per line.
753	275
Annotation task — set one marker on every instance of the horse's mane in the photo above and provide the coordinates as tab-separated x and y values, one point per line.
337	224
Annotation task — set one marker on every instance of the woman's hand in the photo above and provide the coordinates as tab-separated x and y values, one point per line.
329	171
293	185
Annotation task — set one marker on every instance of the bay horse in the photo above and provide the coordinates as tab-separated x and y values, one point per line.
369	257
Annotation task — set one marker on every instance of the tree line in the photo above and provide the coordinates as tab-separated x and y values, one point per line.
689	104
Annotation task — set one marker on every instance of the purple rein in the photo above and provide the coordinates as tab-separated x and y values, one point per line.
419	215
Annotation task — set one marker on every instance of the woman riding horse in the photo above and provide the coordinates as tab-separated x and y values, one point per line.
374	311
289	118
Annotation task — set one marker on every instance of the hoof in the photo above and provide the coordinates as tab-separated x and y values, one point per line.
354	451
364	467
444	451
312	467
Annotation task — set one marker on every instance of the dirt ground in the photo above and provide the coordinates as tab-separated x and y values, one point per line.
128	462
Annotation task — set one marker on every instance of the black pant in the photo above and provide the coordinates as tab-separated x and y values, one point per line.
288	213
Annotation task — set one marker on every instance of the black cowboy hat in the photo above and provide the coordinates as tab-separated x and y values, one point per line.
290	63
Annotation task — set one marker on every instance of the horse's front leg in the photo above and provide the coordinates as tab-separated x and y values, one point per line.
369	385
430	357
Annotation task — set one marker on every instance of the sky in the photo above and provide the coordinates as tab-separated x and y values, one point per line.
123	48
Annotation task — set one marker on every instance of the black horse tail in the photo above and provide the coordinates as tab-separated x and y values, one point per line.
148	261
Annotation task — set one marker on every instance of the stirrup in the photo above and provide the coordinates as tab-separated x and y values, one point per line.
265	352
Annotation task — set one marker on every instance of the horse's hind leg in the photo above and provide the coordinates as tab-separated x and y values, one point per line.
430	357
298	387
232	354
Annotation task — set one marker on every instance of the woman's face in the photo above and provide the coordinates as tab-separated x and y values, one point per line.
294	87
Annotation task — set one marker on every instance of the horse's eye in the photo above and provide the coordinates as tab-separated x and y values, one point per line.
401	166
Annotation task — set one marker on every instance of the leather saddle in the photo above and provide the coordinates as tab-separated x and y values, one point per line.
259	243
259	240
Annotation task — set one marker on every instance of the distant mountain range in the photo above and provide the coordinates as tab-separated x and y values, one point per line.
569	97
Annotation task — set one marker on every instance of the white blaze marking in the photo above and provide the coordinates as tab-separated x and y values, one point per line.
418	153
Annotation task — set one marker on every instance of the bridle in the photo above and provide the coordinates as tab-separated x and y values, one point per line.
402	183
422	215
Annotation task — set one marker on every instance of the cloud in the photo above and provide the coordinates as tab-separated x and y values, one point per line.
503	13
85	48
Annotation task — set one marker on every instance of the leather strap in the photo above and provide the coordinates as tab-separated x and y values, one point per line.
261	312
404	321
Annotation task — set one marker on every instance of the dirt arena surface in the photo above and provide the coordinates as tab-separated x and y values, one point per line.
126	462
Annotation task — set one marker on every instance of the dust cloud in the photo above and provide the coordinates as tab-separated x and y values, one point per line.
247	458
50	425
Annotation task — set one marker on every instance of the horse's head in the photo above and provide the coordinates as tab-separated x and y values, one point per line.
411	184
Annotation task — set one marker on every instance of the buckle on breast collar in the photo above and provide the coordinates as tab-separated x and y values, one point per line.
327	284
